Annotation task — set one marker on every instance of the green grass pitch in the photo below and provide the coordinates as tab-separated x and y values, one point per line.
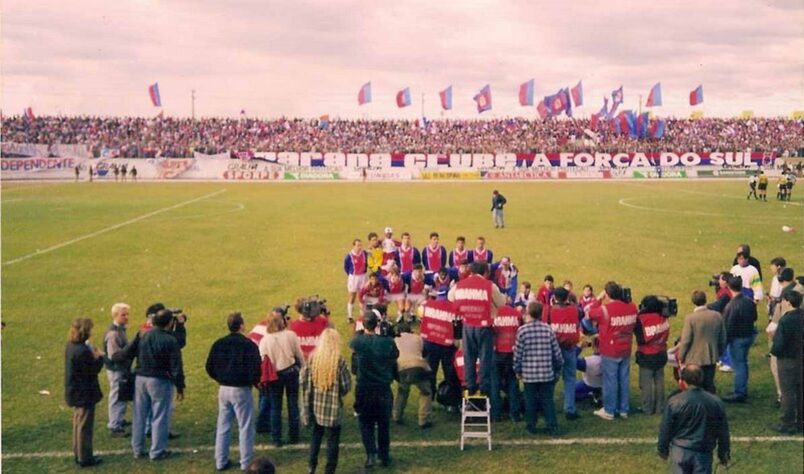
256	246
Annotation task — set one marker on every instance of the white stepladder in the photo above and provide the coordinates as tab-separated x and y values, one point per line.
475	418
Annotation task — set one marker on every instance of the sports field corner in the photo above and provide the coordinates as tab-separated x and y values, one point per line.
74	249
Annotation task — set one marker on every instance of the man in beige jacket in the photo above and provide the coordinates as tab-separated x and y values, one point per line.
703	339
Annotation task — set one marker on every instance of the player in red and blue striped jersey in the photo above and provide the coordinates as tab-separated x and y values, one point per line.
355	264
459	253
505	275
481	253
418	285
395	289
434	255
407	255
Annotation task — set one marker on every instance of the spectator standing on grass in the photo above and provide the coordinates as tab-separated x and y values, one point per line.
497	203
134	173
703	340
234	362
782	282
325	380
751	278
615	320
82	391
282	346
739	316
376	365
651	332
538	362
787	348
693	423
158	370
114	341
565	321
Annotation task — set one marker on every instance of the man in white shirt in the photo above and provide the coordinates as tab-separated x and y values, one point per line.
752	281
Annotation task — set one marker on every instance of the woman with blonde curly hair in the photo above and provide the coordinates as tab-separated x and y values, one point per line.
325	380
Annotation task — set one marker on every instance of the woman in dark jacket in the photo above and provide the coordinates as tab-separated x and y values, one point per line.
81	388
651	332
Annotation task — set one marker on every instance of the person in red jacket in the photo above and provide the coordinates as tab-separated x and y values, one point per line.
476	299
565	321
615	320
652	330
310	324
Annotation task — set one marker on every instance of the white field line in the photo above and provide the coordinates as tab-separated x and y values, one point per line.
625	202
721	195
111	228
422	444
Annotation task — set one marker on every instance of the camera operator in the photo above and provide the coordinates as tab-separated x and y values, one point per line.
651	332
703	340
720	283
615	319
376	358
310	324
413	371
282	347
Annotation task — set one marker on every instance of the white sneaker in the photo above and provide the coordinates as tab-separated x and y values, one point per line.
624	416
603	414
725	368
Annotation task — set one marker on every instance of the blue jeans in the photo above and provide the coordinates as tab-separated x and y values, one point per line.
153	398
568	376
478	343
616	371
738	348
508	383
499	217
289	384
234	402
264	418
539	397
117	408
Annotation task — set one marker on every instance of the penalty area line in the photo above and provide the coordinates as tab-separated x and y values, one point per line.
421	444
111	228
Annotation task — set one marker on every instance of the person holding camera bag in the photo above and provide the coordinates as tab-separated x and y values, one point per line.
119	373
651	332
283	348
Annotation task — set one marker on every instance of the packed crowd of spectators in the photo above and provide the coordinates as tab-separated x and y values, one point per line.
133	137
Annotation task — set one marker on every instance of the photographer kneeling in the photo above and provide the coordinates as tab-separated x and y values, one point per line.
651	331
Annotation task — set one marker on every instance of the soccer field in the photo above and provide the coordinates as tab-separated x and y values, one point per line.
74	249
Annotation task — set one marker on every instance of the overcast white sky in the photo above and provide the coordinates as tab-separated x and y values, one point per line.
296	58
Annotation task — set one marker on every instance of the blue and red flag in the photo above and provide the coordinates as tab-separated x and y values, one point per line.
696	96
483	99
542	109
643	122
577	94
446	98
558	102
153	91
616	99
364	96
655	96
526	93
28	113
657	128
403	98
627	123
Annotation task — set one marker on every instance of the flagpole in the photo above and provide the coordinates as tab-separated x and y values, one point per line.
640	104
422	104
192	100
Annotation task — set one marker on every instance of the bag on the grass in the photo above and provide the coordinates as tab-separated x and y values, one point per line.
448	394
